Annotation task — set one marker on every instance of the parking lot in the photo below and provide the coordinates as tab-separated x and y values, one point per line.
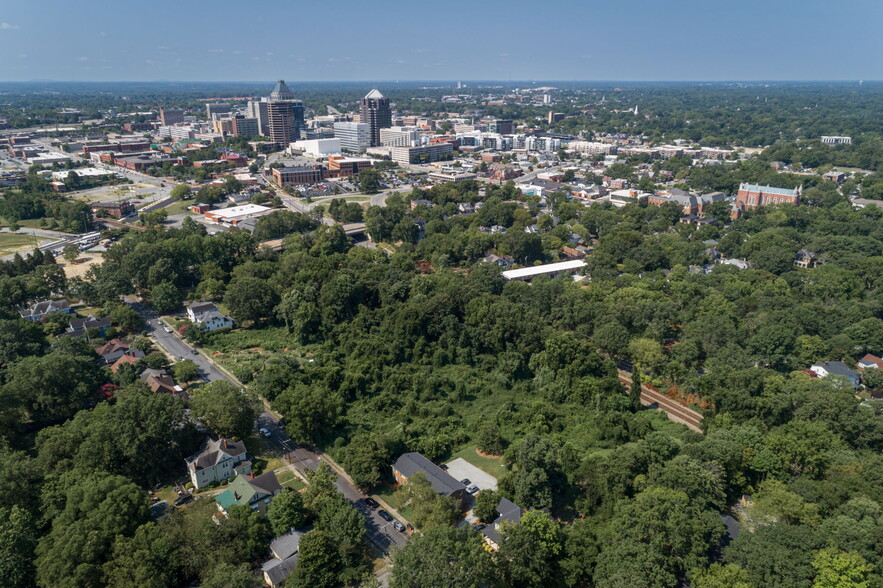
460	469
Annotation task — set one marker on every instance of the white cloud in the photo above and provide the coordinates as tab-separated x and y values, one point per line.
23	55
237	52
215	50
103	34
5	26
82	59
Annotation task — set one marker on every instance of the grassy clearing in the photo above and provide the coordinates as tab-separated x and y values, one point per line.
490	465
290	480
179	207
397	498
13	242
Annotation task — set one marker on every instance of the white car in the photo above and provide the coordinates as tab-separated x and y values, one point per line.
265	432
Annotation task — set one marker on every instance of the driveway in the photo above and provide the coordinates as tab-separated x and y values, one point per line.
460	469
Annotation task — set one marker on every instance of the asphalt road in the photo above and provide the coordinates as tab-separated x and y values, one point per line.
379	531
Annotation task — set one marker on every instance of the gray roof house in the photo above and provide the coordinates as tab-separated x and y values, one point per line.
284	549
509	511
823	369
217	460
196	310
41	309
410	463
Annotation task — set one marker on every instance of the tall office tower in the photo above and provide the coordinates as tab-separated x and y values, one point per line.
282	129
376	114
285	115
170	116
257	109
217	108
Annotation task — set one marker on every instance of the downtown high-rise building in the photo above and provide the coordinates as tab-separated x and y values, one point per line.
285	116
375	112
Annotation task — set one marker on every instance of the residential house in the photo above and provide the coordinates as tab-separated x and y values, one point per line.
159	380
510	513
214	320
79	327
284	549
870	362
825	369
111	351
504	261
41	309
198	309
255	493
130	356
217	461
207	316
409	464
806	259
835	176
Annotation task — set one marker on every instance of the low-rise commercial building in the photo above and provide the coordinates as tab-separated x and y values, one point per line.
421	154
298	175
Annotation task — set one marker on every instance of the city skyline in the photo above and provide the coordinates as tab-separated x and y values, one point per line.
634	40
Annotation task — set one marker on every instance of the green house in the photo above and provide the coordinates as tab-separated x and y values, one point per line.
256	493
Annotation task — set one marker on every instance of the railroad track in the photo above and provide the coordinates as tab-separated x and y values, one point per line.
674	410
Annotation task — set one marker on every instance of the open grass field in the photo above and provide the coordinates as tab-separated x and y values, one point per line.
179	207
14	243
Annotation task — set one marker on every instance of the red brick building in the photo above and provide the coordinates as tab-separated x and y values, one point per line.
751	196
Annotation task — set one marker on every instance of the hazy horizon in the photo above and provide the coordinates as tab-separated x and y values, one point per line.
389	40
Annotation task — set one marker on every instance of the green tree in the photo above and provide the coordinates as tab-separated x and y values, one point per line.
318	563
321	484
100	508
286	512
71	252
165	297
225	409
18	540
250	299
490	440
721	576
443	556
430	509
310	412
369	181
840	569
227	575
530	550
486	506
185	371
181	192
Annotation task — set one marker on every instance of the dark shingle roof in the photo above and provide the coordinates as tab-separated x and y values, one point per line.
410	463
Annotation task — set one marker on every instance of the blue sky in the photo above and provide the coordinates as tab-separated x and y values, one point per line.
377	40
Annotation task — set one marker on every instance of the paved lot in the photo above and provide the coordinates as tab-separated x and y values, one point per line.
460	468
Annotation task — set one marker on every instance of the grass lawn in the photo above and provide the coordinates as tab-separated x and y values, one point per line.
396	498
12	242
290	480
179	207
262	459
490	465
31	223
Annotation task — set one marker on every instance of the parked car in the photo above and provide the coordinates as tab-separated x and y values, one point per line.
399	527
384	515
371	503
472	488
465	481
410	527
266	432
183	499
479	527
194	352
443	467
